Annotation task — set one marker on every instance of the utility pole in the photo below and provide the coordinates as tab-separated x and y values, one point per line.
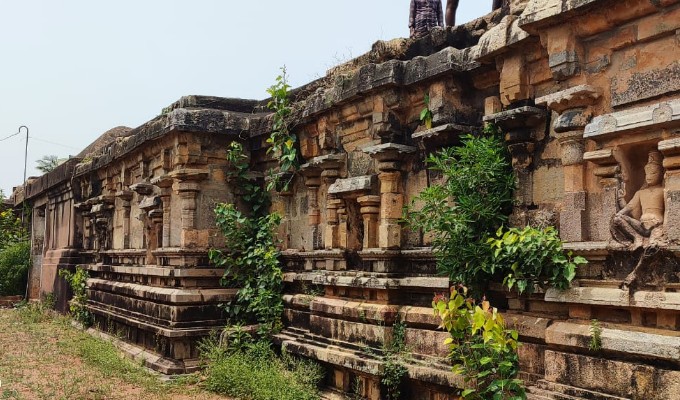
25	164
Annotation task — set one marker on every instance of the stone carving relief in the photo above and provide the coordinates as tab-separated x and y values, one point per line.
639	223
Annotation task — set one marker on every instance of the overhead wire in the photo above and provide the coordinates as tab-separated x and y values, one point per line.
3	139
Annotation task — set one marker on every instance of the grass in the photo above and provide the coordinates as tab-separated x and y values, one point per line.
42	356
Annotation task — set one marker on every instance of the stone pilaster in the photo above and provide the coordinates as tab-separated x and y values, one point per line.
187	185
126	196
608	171
316	171
671	163
390	157
370	212
165	184
520	126
572	106
331	235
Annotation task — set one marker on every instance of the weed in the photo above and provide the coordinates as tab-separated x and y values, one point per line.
426	114
595	335
394	369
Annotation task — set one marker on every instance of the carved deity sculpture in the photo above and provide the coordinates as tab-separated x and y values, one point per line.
642	217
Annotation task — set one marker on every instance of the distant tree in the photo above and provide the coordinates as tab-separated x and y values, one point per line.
49	163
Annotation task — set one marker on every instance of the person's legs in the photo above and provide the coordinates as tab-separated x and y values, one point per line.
451	7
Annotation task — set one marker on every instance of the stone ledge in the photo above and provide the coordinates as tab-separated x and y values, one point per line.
165	332
359	184
158	271
615	297
361	362
630	342
155	362
167	295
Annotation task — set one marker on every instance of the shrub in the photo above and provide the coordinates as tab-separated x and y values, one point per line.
468	207
15	261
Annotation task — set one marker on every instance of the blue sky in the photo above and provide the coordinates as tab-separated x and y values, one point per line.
72	69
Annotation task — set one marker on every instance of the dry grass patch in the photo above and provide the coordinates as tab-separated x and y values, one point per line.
43	357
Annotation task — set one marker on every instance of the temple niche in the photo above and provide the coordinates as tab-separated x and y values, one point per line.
587	95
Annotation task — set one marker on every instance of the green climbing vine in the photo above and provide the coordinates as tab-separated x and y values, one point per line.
281	140
251	261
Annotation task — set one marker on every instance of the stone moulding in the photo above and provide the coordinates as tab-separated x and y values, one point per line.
574	97
517	117
440	136
373	77
615	297
541	13
640	119
353	185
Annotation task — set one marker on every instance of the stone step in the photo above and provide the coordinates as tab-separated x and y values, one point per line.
570	392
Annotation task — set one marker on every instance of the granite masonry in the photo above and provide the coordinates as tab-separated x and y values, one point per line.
587	93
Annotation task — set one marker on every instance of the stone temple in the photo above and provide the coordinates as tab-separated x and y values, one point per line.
587	93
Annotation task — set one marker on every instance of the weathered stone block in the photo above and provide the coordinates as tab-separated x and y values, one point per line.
390	236
391	206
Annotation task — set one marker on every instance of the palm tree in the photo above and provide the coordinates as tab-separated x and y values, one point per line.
49	163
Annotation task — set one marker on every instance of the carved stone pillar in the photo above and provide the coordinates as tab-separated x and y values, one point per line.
331	236
370	211
126	196
165	184
390	158
317	170
572	105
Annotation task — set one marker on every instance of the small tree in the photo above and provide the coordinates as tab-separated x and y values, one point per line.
472	202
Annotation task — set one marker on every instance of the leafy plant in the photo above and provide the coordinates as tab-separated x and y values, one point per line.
469	206
251	262
78	305
595	335
281	140
15	260
426	114
531	256
484	352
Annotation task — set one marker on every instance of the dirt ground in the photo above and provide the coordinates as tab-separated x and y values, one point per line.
43	357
